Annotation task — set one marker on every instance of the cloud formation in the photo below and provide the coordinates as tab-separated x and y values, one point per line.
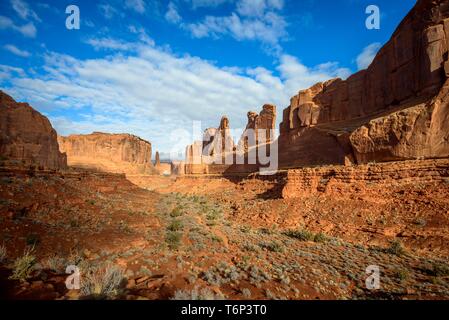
14	50
24	11
151	92
27	30
135	5
172	14
367	56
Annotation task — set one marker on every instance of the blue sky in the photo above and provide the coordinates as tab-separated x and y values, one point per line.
151	67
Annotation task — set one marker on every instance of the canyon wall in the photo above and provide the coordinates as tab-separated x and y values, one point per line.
27	137
350	180
394	110
115	153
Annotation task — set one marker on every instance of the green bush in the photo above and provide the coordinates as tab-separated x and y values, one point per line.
176	225
23	266
437	270
176	212
302	235
102	282
396	248
173	239
272	246
320	238
401	274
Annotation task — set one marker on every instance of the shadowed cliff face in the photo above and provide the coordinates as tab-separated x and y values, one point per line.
27	137
117	153
394	110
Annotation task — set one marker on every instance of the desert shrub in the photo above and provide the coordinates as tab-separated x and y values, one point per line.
175	225
195	294
3	253
401	274
302	235
396	248
124	227
246	293
173	239
55	264
272	246
216	238
266	231
250	247
176	212
437	269
102	282
320	238
24	265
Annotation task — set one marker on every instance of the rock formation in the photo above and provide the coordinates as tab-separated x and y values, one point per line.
157	161
27	137
394	110
221	141
266	121
217	153
116	153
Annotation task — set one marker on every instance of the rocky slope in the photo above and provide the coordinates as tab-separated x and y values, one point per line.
394	110
27	137
116	153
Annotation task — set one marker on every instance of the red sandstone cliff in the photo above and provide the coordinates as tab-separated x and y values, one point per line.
117	153
27	137
397	109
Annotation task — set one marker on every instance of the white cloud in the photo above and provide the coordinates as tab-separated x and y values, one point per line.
151	92
172	14
27	30
367	56
136	5
258	7
206	3
270	29
255	20
14	50
107	10
24	11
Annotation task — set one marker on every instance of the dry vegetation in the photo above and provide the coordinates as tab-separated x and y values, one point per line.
212	239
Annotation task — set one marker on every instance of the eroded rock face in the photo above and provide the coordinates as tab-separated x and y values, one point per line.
27	137
265	121
394	110
117	153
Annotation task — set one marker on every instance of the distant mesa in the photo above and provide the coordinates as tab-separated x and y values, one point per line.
115	153
27	137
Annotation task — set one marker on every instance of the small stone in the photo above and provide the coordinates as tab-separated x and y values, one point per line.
142	279
37	284
131	284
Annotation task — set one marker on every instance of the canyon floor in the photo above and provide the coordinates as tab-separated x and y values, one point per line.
214	237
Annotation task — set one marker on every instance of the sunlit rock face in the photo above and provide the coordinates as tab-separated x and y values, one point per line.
394	110
116	153
27	137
